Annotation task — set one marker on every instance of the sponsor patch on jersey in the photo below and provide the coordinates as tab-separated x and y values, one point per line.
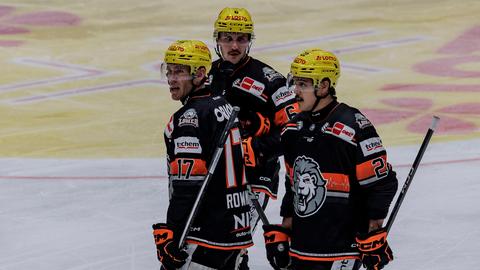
362	121
371	146
223	112
271	74
250	85
169	128
187	145
188	118
282	95
341	131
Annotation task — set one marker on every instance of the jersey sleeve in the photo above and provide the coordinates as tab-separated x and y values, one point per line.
288	135
373	171
282	107
282	102
286	209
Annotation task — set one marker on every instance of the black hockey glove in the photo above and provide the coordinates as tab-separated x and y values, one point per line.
374	250
167	251
252	156
277	245
253	124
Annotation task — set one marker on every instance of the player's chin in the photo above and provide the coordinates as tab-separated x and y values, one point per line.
233	58
302	106
175	95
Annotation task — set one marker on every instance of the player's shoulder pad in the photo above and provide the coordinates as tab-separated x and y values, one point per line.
269	74
353	118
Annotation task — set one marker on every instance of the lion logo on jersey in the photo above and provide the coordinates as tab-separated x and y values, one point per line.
309	186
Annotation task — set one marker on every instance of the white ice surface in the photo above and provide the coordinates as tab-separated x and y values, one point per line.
97	214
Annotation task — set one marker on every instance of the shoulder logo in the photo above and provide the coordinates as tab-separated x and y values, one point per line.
362	121
169	128
309	186
188	118
271	74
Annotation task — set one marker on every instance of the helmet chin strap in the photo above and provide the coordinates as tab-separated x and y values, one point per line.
318	98
204	79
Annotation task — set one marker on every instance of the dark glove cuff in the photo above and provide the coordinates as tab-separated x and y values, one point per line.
276	228
160	226
377	232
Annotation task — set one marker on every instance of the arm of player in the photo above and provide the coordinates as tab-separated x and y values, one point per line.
374	174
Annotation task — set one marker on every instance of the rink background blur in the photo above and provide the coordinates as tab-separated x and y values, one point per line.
82	112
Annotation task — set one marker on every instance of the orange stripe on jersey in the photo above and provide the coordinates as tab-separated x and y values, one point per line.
374	168
285	114
322	259
190	166
233	247
337	182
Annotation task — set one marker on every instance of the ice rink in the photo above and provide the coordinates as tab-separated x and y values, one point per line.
82	112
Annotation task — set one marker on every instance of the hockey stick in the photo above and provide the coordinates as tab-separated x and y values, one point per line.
256	203
409	179
213	164
258	207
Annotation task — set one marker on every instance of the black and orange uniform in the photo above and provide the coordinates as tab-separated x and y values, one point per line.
261	93
338	178
222	221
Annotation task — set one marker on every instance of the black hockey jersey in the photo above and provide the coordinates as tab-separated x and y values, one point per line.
223	218
256	87
338	179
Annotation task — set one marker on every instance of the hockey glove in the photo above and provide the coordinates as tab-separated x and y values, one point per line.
167	251
277	245
253	124
248	152
374	250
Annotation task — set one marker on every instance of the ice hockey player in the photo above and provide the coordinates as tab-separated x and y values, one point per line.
221	226
259	90
339	185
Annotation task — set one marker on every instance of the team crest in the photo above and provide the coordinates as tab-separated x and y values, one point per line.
188	118
271	74
362	121
309	186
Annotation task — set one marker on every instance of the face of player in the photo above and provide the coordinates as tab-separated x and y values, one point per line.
179	81
233	46
304	93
